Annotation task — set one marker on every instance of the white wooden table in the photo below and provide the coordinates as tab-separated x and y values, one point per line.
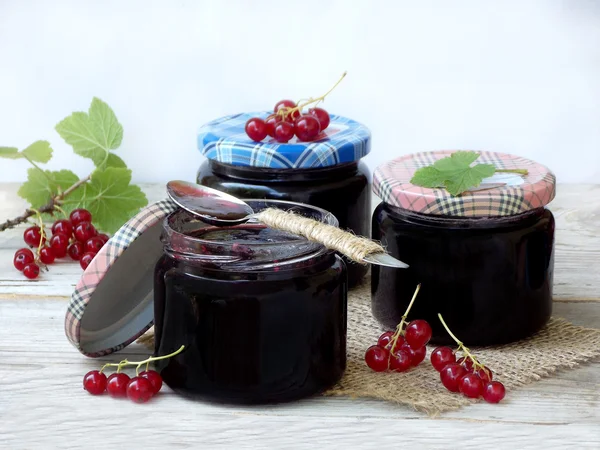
42	404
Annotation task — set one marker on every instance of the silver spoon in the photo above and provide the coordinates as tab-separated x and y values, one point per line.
220	209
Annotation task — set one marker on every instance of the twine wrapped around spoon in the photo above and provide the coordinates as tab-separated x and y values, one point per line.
354	247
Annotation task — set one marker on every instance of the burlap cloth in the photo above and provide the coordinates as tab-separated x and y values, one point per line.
560	345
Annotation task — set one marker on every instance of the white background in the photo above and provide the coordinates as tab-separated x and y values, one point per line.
515	76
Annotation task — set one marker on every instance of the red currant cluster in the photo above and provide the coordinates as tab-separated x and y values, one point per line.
139	389
75	236
288	120
465	375
401	349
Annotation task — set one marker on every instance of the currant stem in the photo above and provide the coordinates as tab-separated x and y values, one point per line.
519	171
42	232
403	319
461	346
400	327
284	112
139	364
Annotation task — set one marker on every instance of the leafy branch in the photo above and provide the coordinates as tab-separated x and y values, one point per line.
106	192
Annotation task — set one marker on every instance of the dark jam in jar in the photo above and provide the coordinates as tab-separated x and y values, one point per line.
484	258
327	173
262	313
491	279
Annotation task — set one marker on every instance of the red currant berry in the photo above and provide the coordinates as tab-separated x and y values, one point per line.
76	250
470	385
377	358
80	215
385	339
84	231
284	104
93	245
307	127
400	361
451	375
139	389
284	131
32	236
59	243
86	259
442	356
94	382
31	271
485	374
47	255
271	121
105	237
25	251
467	363
416	355
256	129
116	384
493	392
154	378
321	115
21	259
418	333
63	226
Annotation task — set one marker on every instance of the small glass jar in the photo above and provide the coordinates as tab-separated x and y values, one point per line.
484	259
262	313
343	190
327	173
490	278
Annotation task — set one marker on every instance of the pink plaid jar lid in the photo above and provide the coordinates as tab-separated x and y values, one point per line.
503	194
112	304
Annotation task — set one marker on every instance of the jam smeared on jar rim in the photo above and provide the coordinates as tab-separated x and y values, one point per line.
212	204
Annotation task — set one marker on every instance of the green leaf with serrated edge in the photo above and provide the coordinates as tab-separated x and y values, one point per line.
428	177
41	186
111	199
114	161
456	162
108	128
92	135
454	173
39	151
10	153
468	178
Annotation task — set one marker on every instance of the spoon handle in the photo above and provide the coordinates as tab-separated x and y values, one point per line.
358	249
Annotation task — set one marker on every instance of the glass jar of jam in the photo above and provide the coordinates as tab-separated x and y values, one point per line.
262	312
326	173
485	259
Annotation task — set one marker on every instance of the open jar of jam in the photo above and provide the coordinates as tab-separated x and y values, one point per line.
327	173
485	258
262	312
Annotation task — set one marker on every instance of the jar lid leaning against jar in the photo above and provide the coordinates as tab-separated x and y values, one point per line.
261	313
485	258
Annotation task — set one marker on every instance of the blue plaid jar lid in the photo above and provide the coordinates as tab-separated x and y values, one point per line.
225	140
113	302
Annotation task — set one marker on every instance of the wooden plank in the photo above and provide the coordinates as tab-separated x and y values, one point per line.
577	211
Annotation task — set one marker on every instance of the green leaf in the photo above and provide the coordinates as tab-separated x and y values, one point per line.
469	178
456	162
39	151
114	161
454	173
10	153
428	177
111	199
41	186
94	134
